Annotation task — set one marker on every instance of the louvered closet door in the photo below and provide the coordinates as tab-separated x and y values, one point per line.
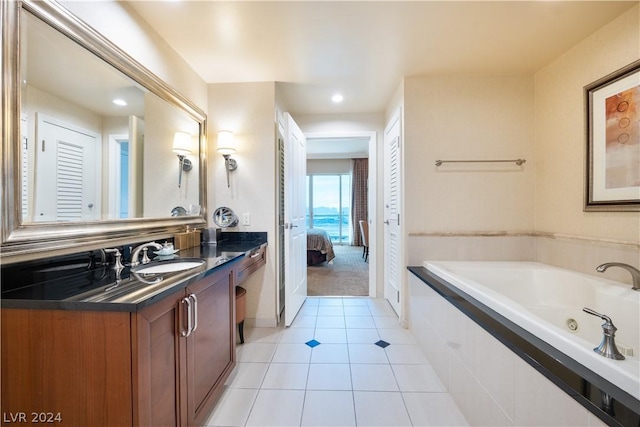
24	167
393	260
67	166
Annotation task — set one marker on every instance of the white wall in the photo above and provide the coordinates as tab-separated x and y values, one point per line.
248	110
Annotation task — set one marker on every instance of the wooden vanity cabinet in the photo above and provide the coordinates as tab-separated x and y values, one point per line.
103	368
180	365
250	263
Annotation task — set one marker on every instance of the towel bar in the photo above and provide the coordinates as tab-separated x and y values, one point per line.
518	162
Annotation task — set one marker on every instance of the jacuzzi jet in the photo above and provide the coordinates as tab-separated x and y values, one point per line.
572	325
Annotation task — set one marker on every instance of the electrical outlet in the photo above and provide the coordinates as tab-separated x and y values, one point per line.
246	219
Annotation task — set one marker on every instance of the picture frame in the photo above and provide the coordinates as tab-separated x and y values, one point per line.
613	141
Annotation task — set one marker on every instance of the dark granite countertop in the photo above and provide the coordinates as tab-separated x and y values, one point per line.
67	284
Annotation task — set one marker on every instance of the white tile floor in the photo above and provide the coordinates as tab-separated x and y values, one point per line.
346	380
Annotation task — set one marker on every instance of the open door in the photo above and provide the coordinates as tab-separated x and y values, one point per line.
295	232
392	202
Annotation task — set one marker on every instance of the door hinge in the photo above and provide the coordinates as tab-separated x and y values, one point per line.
43	145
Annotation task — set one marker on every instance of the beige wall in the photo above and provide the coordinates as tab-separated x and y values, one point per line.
329	166
560	133
532	214
468	118
161	166
248	110
566	235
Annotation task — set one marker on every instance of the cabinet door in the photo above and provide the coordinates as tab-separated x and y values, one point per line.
159	372
66	367
211	346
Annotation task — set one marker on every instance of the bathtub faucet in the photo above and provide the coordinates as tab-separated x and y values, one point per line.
635	273
607	347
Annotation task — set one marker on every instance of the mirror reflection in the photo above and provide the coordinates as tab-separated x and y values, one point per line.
96	145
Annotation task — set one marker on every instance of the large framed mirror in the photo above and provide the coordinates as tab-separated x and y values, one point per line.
97	150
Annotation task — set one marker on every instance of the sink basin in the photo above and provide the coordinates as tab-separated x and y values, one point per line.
168	267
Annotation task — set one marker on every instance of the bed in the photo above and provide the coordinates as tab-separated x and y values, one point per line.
319	247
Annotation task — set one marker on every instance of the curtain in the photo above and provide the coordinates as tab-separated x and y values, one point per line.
359	197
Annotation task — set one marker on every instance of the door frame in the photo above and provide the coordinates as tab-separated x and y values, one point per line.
113	189
374	267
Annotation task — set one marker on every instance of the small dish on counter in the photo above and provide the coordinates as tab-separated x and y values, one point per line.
166	257
166	252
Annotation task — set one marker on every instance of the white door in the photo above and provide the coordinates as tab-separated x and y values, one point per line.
295	233
392	231
67	167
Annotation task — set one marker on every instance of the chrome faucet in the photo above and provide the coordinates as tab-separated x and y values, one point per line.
135	255
117	263
607	347
635	273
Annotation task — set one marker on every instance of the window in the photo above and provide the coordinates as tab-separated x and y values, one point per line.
329	205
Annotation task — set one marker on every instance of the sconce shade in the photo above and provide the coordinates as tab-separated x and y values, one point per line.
182	143
226	144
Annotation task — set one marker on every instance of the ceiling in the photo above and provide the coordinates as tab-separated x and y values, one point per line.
364	49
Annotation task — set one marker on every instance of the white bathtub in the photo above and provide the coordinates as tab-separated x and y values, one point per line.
541	299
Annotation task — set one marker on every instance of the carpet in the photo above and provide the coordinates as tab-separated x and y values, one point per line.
347	276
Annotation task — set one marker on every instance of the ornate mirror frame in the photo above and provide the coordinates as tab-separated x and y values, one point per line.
20	242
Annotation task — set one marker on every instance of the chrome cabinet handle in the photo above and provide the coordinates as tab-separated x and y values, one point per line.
195	311
257	254
187	300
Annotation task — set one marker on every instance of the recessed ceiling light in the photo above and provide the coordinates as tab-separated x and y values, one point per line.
120	102
337	98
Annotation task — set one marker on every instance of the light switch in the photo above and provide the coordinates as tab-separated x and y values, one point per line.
246	219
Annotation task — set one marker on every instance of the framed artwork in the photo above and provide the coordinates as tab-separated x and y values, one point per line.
613	141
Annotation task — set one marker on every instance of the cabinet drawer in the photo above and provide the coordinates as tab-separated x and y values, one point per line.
251	263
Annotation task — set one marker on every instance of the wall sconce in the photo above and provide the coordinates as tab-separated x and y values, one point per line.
182	147
226	147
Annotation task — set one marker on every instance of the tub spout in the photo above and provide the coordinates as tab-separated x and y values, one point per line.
607	347
635	273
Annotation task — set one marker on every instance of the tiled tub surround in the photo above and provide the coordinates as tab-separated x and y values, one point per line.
500	374
577	253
